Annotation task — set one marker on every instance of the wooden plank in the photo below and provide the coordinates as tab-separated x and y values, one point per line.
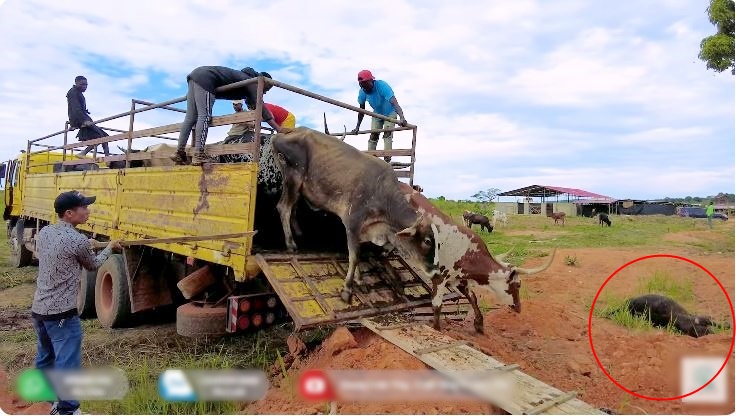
176	239
457	362
241	117
384	153
548	404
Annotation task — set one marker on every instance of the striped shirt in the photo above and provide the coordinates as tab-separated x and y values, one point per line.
62	252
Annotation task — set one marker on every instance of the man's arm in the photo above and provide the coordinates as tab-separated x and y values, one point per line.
86	256
399	111
360	119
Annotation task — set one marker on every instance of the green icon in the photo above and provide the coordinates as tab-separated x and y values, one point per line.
33	387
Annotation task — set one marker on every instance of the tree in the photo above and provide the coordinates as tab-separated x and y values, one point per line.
486	196
717	51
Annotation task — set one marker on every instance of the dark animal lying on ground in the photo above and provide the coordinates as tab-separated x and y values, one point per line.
663	311
603	218
473	218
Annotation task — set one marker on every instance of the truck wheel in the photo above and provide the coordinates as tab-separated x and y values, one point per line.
193	320
86	297
20	256
112	301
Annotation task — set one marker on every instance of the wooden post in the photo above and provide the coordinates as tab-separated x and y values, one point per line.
130	133
258	120
413	155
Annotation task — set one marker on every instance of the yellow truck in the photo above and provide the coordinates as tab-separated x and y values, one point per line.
205	240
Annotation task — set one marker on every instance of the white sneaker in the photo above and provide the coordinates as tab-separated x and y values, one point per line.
54	409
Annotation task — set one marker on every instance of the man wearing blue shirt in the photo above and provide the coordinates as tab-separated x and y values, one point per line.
381	98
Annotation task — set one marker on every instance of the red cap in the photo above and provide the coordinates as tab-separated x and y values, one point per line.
365	75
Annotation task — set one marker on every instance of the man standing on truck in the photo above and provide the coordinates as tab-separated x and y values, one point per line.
383	101
79	116
283	117
62	252
201	85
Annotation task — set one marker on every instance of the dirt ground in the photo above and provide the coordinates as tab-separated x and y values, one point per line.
549	340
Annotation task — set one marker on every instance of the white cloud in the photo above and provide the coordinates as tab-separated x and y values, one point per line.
551	86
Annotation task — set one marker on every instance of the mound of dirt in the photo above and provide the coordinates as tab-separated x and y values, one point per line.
11	404
360	349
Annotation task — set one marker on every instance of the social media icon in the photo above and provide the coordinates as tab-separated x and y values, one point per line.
314	385
33	387
173	386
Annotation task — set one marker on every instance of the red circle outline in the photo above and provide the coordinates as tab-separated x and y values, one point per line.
590	327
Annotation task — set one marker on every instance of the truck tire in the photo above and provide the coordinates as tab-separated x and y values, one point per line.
20	256
193	320
112	301
86	297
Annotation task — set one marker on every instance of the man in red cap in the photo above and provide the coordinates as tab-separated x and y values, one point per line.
381	98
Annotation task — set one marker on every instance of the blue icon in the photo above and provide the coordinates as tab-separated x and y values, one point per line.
173	386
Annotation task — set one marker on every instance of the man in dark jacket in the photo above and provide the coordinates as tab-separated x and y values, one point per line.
202	83
79	116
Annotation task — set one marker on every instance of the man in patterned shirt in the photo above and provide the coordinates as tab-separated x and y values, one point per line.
62	252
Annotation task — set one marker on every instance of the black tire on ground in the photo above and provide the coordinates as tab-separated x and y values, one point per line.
86	297
193	320
20	256
112	301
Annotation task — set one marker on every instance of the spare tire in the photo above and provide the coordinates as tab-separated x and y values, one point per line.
112	300
193	320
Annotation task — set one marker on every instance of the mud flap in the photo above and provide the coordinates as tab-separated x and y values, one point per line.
309	287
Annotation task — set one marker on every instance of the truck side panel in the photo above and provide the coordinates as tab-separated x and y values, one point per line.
161	202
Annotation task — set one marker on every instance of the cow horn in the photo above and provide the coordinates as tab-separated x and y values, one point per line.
324	115
502	256
540	268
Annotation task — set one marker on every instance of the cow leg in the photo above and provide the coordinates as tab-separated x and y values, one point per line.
478	321
289	195
436	302
294	223
353	250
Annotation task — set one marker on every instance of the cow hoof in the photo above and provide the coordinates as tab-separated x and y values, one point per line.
346	295
479	328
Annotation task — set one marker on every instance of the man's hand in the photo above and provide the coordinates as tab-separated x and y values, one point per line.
114	245
403	123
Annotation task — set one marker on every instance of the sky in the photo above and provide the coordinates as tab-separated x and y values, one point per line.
609	97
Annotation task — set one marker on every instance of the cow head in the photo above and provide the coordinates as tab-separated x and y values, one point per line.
418	245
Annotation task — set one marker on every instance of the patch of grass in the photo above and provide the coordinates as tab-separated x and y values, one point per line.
662	283
615	308
572	261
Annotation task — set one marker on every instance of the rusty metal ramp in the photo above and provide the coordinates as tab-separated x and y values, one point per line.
310	285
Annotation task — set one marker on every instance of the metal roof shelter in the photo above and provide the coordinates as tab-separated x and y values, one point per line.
545	191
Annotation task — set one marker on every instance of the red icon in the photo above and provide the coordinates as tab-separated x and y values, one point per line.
314	385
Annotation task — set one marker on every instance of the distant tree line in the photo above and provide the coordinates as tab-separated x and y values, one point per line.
721	198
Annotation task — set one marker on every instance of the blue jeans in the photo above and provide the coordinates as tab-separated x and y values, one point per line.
59	346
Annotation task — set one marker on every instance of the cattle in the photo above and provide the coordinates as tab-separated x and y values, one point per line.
558	216
363	191
464	263
499	216
603	218
162	151
59	167
663	312
473	218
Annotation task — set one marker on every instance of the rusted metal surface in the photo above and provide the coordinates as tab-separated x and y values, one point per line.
147	283
309	287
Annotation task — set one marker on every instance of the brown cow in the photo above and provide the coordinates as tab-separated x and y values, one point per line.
473	218
360	189
464	262
557	216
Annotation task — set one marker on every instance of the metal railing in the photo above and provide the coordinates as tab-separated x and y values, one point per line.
139	106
